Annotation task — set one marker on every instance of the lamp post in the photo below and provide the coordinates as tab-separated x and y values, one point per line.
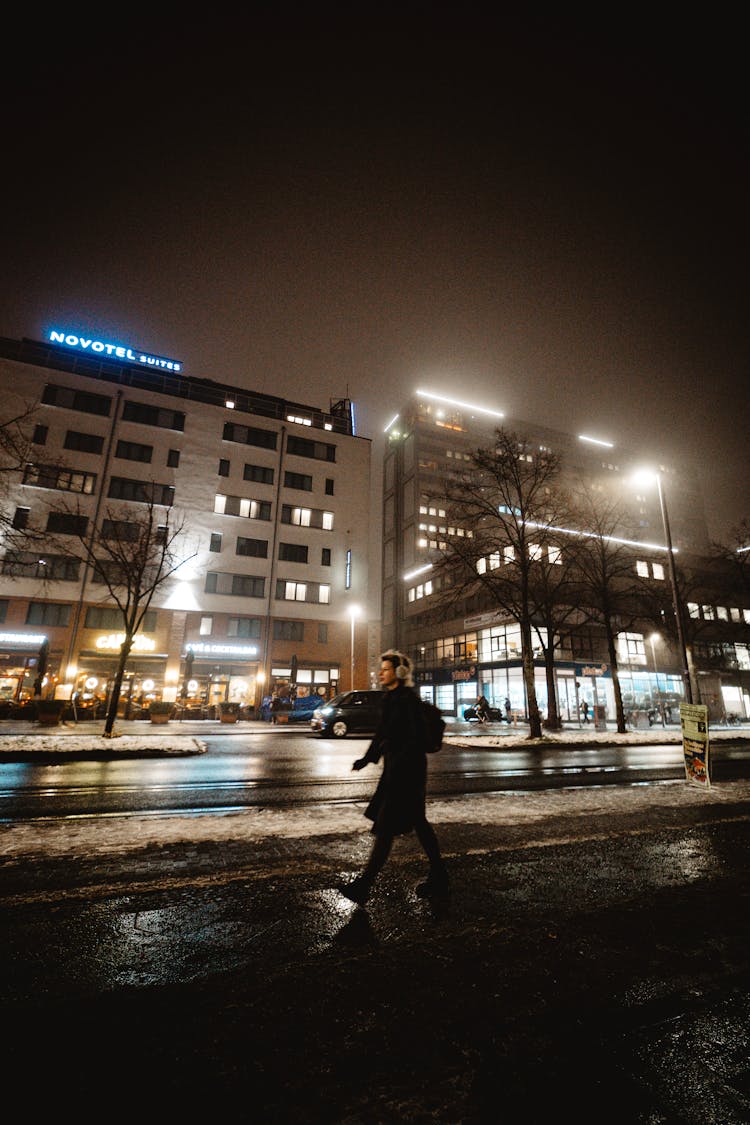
675	588
353	615
652	640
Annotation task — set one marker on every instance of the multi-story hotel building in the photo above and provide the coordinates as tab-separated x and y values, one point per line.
480	652
276	531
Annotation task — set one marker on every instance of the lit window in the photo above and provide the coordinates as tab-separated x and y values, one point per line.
509	554
324	594
535	552
721	613
641	569
658	571
207	624
481	566
328	521
554	554
694	609
708	613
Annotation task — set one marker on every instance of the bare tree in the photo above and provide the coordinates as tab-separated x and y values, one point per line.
735	553
15	444
506	505
612	594
131	552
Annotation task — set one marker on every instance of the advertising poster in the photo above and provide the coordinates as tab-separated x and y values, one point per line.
694	723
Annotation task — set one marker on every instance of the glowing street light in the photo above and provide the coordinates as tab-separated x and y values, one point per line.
354	612
648	477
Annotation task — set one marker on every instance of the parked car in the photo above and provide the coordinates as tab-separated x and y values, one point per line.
355	712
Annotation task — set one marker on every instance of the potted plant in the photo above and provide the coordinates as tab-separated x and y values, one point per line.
229	712
160	711
49	711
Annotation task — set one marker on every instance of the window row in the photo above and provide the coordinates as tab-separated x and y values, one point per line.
250	627
258	548
718	613
254	586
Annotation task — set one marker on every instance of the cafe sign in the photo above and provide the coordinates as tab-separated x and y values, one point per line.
114	641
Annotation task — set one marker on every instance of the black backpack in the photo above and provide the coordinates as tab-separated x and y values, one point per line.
434	726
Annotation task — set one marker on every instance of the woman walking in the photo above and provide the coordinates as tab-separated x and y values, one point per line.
398	804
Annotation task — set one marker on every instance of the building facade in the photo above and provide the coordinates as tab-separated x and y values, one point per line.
275	540
479	652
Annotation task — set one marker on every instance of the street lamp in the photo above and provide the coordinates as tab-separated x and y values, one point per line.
652	640
650	476
353	615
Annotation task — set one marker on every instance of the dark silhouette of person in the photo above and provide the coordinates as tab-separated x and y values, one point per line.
482	707
585	710
508	716
398	805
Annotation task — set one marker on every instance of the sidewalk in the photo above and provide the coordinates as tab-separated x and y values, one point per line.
25	739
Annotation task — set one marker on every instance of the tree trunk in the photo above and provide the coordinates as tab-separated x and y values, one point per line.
619	709
114	698
535	722
552	721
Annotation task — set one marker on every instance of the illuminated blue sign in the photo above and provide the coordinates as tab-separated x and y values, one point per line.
112	351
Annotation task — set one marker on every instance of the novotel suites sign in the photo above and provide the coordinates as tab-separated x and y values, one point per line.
110	350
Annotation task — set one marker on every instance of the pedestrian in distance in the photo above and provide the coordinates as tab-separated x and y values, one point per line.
398	805
508	715
482	708
585	710
275	707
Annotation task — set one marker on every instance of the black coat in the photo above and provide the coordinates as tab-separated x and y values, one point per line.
399	800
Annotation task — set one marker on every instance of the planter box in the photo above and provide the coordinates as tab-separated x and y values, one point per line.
229	717
49	712
160	717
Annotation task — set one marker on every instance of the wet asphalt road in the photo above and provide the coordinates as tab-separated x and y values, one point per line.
592	962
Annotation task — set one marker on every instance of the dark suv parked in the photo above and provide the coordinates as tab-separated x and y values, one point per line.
355	712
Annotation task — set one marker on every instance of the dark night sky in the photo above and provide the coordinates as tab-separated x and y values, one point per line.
551	220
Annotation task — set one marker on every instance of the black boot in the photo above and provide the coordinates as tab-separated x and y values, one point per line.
358	891
436	885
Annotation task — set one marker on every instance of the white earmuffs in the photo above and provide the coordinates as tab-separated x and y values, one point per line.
402	672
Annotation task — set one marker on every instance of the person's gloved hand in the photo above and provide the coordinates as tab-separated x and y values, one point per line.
359	764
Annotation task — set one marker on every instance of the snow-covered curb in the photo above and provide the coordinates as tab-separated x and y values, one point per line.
97	744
